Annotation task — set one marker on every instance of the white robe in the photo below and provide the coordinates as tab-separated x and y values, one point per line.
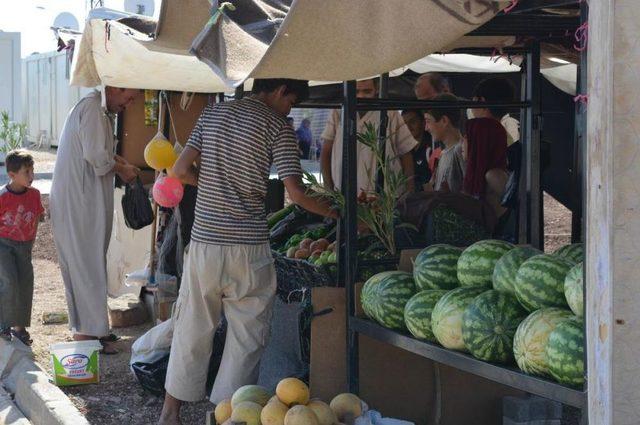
81	204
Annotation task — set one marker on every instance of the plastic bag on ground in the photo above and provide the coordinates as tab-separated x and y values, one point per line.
372	417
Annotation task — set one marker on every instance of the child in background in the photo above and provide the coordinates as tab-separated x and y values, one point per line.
20	212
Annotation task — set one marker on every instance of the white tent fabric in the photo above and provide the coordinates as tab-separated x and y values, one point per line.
563	77
111	53
459	63
334	40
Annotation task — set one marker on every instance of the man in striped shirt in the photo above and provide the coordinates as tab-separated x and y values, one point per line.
229	264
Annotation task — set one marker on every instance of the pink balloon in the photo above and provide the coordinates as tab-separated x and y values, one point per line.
167	191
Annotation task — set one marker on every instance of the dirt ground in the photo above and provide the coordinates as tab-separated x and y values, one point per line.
119	398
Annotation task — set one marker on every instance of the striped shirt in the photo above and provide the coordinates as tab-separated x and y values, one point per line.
238	141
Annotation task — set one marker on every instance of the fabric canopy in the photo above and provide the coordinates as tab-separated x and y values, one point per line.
334	40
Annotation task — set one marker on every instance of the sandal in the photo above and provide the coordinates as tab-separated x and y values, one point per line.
109	338
23	336
107	349
5	333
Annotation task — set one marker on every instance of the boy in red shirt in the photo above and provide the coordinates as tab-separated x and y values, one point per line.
20	212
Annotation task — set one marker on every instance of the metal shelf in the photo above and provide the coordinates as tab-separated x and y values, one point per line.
506	375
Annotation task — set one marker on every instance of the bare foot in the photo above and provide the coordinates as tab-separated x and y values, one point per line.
169	420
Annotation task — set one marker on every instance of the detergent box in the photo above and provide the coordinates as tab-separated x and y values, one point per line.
76	362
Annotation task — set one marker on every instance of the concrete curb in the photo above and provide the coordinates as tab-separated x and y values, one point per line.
9	412
39	400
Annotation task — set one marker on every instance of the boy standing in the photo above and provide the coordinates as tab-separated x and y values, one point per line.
20	211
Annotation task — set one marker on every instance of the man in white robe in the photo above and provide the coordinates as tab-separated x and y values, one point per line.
81	205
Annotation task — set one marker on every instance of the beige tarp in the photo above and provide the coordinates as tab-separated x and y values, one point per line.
334	40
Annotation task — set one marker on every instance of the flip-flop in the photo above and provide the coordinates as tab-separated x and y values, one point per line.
5	334
23	336
109	338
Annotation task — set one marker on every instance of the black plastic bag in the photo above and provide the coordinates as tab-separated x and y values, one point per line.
136	206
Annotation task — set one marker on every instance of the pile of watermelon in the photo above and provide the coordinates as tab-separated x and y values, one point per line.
500	303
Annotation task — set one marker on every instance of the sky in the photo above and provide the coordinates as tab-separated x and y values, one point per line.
33	19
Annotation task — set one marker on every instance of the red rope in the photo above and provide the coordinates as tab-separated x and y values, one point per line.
513	4
582	37
583	99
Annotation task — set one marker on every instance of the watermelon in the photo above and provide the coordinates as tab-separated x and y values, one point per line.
417	313
504	273
530	340
476	263
540	282
436	267
489	323
565	352
573	252
388	298
573	287
446	319
368	291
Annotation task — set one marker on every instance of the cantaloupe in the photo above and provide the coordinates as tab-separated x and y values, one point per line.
323	412
254	393
248	412
223	411
292	391
273	413
346	406
300	415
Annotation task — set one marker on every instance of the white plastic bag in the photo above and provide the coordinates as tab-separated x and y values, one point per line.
153	345
372	417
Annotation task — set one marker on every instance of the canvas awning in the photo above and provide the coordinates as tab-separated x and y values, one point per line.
122	53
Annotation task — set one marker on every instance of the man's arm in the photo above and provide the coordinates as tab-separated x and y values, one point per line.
184	169
406	161
297	194
325	163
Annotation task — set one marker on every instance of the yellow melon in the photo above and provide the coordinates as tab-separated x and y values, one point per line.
274	398
292	391
323	412
223	411
254	393
346	406
300	415
273	413
248	412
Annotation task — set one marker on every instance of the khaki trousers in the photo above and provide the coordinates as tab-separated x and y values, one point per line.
239	280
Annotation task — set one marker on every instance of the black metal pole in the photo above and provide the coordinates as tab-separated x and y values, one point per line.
532	148
523	217
347	261
383	92
239	93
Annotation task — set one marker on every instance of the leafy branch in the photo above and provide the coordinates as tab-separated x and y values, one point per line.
11	133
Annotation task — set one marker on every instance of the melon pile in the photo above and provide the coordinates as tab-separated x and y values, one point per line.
290	405
498	302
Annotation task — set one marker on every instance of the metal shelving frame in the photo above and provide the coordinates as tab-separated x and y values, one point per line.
531	231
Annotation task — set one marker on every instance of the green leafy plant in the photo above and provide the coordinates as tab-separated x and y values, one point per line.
12	134
376	210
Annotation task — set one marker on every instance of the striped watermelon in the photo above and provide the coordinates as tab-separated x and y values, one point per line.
388	298
417	313
436	267
573	287
573	252
540	282
446	319
489	323
368	291
565	352
530	340
476	263
504	274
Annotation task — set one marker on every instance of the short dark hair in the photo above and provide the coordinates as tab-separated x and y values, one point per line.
496	89
298	87
418	112
439	82
16	159
454	115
